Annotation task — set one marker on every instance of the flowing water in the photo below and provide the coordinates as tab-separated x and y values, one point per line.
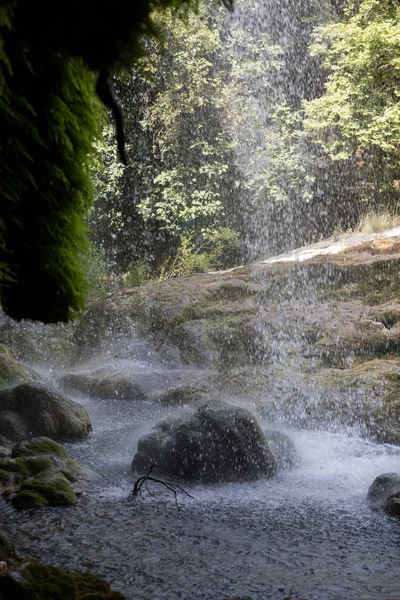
307	534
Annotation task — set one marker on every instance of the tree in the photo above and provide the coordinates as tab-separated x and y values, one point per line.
357	118
182	183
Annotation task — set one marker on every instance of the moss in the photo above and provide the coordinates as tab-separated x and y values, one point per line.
37	464
91	587
11	372
71	470
4	476
56	489
47	582
7	550
41	446
15	465
44	582
27	499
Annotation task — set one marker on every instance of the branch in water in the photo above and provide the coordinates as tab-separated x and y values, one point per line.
174	488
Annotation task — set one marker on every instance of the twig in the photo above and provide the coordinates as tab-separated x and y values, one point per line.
174	488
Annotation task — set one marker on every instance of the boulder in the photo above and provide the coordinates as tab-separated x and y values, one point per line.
11	372
32	409
283	450
40	473
23	578
5	446
105	385
384	492
218	443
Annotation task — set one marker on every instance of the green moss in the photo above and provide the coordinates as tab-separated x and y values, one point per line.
15	465
27	499
7	550
4	475
45	582
91	587
41	446
37	464
11	372
56	489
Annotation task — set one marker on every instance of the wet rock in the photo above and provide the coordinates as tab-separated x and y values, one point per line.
40	473
384	488
183	396
220	442
41	446
7	550
28	580
105	385
32	409
283	449
5	446
11	371
13	425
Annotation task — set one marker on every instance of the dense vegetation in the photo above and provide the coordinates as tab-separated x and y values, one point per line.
246	133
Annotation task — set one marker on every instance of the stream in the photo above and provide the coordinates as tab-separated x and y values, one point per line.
307	534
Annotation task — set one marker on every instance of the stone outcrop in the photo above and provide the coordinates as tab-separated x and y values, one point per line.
40	473
218	443
307	338
33	409
384	494
26	579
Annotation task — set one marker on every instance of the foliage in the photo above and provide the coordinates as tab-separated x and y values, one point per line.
191	144
48	122
51	65
218	247
358	116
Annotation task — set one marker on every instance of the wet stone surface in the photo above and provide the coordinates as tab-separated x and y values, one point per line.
308	534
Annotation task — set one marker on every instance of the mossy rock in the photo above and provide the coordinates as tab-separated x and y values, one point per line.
27	499
7	550
40	446
34	581
4	477
38	464
11	372
54	487
91	587
17	466
45	412
13	425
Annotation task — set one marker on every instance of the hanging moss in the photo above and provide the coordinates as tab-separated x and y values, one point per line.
53	60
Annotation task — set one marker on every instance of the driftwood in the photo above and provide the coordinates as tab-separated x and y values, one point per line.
172	487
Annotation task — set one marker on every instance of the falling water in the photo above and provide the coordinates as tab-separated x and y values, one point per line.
307	534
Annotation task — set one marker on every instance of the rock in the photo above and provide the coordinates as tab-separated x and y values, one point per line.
11	372
32	580
40	473
32	409
105	385
182	396
48	487
283	450
41	446
13	425
392	505
220	442
382	489
28	580
7	550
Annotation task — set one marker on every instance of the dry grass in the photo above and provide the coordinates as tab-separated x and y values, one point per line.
376	222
